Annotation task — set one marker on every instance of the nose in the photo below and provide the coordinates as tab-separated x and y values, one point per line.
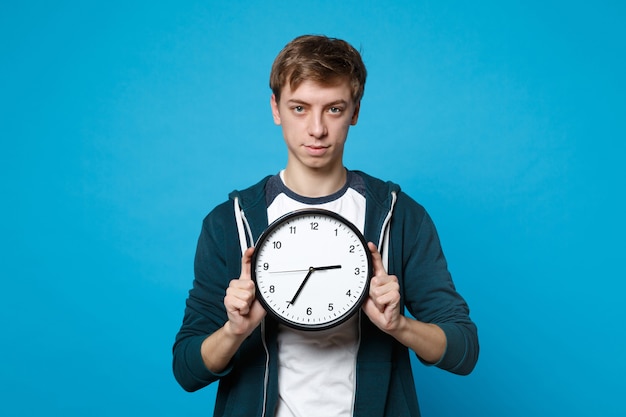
317	126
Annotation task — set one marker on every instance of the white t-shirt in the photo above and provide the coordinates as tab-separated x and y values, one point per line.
316	370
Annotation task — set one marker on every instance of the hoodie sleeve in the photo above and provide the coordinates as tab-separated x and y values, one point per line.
427	287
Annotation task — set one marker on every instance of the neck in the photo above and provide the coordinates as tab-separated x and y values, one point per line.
315	183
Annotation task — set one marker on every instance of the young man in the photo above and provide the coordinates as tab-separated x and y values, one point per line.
361	367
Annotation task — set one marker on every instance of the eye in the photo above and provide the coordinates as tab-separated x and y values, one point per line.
335	110
298	109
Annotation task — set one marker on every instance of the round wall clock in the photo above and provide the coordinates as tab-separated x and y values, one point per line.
312	269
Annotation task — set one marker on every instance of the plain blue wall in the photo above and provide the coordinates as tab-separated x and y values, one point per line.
124	123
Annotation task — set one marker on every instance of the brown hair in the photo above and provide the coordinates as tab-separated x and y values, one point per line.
320	59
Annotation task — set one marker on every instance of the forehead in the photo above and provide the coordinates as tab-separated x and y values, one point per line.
314	92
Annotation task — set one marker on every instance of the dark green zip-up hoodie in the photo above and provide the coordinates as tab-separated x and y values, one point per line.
384	381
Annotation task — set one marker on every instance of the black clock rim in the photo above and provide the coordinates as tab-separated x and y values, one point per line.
326	325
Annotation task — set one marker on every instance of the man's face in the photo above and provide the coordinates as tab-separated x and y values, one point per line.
315	120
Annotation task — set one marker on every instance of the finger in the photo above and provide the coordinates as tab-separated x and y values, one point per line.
377	260
241	288
389	299
383	286
370	308
385	282
246	264
235	304
238	306
239	296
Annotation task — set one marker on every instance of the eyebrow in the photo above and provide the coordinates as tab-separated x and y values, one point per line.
332	103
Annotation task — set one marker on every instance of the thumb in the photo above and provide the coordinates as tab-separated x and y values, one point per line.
246	264
377	260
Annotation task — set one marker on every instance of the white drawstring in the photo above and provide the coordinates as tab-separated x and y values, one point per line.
383	244
239	218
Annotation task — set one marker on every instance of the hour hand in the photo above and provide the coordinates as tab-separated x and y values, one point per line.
324	268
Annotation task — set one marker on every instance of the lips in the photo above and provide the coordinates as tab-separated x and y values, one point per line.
316	150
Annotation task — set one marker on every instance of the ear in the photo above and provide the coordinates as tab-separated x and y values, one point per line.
355	115
275	111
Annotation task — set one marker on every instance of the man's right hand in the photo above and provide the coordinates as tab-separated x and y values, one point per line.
244	315
244	310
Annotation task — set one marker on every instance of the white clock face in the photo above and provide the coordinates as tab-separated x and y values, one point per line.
312	269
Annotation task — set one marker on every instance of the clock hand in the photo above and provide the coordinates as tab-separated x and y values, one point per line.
324	268
286	272
319	268
308	275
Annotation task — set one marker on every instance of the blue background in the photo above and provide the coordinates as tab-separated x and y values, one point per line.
124	123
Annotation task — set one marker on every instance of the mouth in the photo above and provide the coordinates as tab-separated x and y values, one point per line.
315	150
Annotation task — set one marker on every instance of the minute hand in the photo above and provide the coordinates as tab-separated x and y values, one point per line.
308	275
